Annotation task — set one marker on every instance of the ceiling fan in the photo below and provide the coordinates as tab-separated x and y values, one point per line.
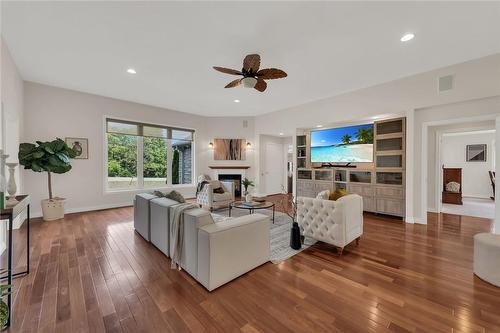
252	76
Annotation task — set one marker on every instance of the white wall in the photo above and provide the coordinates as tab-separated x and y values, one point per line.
475	178
474	79
12	100
228	128
54	112
12	115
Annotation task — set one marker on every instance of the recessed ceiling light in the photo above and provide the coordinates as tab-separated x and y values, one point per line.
131	71
236	100
281	133
319	126
407	37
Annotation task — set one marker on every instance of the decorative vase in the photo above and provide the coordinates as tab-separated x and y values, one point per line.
53	209
248	197
295	242
11	186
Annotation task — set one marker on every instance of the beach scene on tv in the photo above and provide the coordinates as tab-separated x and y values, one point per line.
346	144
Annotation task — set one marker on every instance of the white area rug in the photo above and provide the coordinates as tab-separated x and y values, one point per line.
280	233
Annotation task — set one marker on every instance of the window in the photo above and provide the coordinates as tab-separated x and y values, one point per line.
147	156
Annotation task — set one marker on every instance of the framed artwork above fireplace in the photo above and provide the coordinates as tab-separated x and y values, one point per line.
229	149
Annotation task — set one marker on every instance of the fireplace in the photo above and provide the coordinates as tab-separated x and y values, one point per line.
236	179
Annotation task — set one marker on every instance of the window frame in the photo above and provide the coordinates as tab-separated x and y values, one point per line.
140	156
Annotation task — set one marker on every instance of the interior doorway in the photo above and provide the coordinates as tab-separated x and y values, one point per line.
463	169
276	164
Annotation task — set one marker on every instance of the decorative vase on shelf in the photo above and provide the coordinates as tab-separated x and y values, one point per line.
11	185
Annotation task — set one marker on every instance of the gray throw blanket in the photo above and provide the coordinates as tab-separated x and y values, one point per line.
177	232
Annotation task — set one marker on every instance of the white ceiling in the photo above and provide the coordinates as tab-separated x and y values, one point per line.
326	48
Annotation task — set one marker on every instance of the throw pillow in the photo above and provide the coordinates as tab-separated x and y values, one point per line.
219	190
339	193
159	194
176	196
324	195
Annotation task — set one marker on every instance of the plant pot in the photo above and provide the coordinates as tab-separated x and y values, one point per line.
53	209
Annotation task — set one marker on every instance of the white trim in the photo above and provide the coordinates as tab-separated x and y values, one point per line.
88	209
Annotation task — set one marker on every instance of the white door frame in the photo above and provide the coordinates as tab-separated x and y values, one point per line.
424	154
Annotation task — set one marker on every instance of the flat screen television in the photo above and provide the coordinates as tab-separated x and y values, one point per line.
352	144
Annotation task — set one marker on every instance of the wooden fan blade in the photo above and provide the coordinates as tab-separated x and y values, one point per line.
227	70
271	73
261	85
233	84
251	63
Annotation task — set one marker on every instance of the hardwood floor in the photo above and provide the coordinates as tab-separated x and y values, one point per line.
92	272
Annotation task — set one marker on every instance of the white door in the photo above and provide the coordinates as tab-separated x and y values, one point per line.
273	168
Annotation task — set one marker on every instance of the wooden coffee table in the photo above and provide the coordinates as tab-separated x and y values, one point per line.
251	209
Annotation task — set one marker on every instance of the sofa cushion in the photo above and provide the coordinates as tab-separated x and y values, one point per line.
215	184
220	218
172	195
222	196
219	190
323	195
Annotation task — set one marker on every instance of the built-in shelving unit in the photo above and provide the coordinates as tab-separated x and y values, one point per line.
301	151
381	184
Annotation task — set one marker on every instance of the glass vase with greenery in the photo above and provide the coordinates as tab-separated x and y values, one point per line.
246	184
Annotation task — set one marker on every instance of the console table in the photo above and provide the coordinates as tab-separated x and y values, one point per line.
10	214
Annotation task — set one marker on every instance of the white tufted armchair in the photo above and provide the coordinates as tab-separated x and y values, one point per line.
334	222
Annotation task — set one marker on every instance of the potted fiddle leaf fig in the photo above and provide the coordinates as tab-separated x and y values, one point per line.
5	290
50	157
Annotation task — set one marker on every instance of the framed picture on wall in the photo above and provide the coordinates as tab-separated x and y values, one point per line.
476	153
80	145
229	149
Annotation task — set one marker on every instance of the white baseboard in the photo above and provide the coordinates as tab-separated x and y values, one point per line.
432	209
88	209
415	220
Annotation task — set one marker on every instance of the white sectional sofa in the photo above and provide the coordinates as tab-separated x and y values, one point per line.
334	222
213	253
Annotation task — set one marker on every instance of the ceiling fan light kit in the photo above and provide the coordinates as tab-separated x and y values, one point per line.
249	82
252	76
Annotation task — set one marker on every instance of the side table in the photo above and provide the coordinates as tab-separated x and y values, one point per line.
11	213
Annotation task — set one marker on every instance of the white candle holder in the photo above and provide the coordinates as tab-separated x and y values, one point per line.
11	185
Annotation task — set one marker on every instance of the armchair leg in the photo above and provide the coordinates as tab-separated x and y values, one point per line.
340	250
357	241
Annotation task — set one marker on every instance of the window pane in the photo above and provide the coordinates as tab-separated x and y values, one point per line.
122	161
155	132
182	135
181	162
122	128
155	162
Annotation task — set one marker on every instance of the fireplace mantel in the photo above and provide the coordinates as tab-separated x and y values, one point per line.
236	167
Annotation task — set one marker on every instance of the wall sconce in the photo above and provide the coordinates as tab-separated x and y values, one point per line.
249	145
211	145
